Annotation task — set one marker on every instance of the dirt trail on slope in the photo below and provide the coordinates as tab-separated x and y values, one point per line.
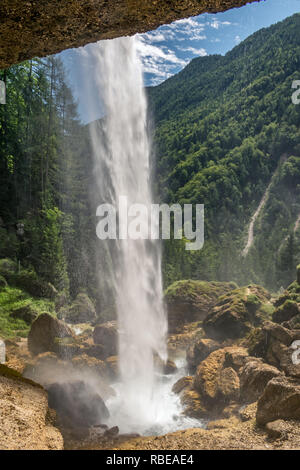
259	209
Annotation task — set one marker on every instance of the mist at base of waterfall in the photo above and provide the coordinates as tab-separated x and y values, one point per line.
164	415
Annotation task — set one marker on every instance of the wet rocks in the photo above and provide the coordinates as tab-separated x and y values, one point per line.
112	366
106	334
182	383
77	404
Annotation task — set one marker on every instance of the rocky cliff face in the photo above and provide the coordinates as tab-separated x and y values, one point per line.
33	28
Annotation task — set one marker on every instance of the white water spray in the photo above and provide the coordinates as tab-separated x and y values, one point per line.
122	152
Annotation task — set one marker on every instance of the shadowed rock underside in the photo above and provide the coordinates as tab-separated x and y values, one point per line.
29	29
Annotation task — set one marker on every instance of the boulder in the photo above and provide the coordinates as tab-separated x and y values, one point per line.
82	310
198	351
190	301
235	313
111	433
229	384
94	350
193	404
66	348
280	400
286	311
169	367
273	343
254	377
216	379
182	384
106	335
43	331
278	429
166	367
27	313
77	404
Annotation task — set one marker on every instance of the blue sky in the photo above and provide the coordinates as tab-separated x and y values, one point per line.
168	49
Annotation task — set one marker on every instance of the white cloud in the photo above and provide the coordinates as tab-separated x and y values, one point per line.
237	39
216	23
159	53
161	62
198	52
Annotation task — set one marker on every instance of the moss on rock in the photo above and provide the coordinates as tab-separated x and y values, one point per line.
189	301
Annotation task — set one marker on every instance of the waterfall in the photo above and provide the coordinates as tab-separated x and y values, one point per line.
121	148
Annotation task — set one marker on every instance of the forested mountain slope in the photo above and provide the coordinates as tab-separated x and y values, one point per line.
223	127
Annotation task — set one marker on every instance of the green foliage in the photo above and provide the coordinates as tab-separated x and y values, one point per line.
12	299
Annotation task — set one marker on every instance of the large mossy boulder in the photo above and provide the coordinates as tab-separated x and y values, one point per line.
44	332
190	301
106	335
237	312
82	310
280	400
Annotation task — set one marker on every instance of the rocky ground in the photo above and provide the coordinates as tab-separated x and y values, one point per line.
26	422
243	355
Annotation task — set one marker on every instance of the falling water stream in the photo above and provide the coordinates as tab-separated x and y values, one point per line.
143	402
